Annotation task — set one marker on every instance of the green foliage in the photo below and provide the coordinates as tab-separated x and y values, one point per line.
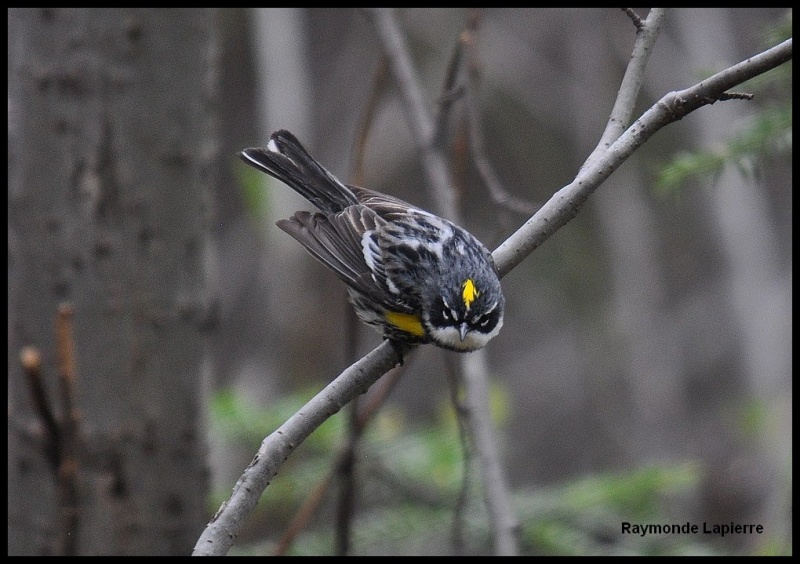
781	31
768	133
238	418
580	518
585	517
410	478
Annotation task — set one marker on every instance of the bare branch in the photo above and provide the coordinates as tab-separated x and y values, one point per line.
217	538
434	161
452	90
647	33
637	21
430	147
60	435
360	149
68	443
220	533
491	179
31	360
495	487
565	204
497	495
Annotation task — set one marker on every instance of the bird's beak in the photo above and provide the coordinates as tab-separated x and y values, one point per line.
463	330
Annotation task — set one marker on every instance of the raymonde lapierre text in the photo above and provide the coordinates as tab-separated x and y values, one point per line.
720	529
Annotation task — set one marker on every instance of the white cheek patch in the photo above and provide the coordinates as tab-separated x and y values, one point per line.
474	340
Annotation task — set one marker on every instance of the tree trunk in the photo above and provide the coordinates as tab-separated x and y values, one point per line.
111	149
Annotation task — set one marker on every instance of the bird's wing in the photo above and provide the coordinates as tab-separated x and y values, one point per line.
345	242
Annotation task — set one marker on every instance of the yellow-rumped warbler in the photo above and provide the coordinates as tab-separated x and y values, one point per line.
414	276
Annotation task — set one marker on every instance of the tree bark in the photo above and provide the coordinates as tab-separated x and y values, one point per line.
111	156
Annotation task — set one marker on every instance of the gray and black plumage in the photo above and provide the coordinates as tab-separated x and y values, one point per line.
414	276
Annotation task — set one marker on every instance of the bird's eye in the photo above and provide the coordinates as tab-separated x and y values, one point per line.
484	320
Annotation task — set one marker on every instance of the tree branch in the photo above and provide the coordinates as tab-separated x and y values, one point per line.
491	179
218	537
432	153
565	204
68	466
647	32
429	145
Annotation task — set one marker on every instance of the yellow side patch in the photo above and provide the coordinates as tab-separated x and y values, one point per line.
406	322
469	292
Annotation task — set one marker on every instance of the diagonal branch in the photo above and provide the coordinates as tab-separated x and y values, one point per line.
429	145
647	32
565	204
497	192
219	535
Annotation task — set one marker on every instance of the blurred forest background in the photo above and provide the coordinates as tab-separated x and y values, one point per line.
643	373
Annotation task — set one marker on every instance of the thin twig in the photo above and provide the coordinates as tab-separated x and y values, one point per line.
376	398
344	464
452	91
474	368
344	467
68	467
637	21
455	381
565	204
491	179
31	361
429	146
647	34
736	96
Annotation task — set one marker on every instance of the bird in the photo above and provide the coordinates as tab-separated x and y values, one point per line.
415	277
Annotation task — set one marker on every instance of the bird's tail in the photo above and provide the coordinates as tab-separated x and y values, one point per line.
287	160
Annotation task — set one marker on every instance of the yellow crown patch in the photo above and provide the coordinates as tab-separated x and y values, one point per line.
469	292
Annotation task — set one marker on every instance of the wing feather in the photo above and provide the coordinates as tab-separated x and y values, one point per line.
336	241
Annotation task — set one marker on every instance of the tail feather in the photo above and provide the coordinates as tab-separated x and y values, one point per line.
287	160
